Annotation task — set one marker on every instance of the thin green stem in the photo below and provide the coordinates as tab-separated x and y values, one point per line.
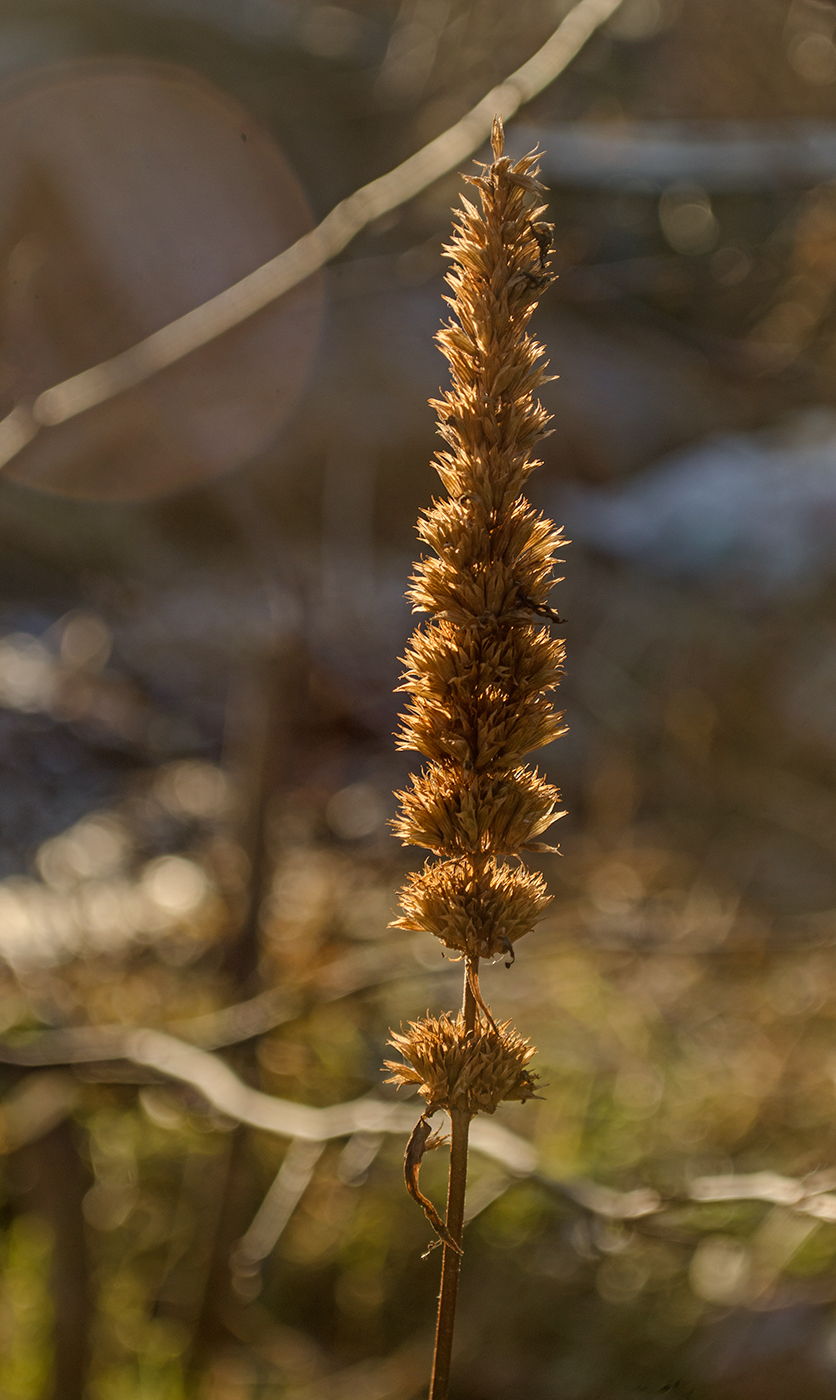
451	1263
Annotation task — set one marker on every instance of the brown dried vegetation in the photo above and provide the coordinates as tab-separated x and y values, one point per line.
481	672
472	1070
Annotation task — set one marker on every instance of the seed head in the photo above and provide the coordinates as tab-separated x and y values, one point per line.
473	1071
478	909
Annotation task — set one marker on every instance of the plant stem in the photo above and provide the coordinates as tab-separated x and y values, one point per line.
451	1263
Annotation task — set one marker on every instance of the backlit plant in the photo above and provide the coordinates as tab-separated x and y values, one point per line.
480	674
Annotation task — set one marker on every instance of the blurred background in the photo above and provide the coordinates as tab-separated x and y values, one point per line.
201	613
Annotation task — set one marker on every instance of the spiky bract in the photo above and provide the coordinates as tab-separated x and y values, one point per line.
458	1069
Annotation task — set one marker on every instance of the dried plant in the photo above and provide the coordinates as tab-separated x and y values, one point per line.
480	675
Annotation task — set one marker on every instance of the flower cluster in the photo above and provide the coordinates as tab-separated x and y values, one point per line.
456	1068
479	913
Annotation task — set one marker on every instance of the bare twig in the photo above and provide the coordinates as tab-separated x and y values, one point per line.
810	1195
231	1025
225	1091
38	1104
78	1045
720	156
222	1088
311	252
275	1210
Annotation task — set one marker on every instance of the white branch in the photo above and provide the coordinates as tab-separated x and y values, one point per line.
226	1092
222	1088
720	156
42	1100
809	1196
284	1195
311	252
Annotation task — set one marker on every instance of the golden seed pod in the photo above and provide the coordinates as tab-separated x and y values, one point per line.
490	572
457	1069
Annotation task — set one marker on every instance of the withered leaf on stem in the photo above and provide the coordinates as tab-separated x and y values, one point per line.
422	1140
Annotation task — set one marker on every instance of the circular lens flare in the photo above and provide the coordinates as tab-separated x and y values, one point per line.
139	192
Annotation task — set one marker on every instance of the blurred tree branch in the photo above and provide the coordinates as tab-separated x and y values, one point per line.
231	1025
212	1078
60	1179
266	283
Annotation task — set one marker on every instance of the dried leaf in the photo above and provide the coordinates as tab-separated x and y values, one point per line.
422	1140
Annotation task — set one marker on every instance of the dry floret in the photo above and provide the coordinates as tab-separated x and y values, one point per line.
482	568
490	812
458	1069
480	697
477	910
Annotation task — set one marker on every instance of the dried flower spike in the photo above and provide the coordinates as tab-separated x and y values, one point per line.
480	675
479	915
481	672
